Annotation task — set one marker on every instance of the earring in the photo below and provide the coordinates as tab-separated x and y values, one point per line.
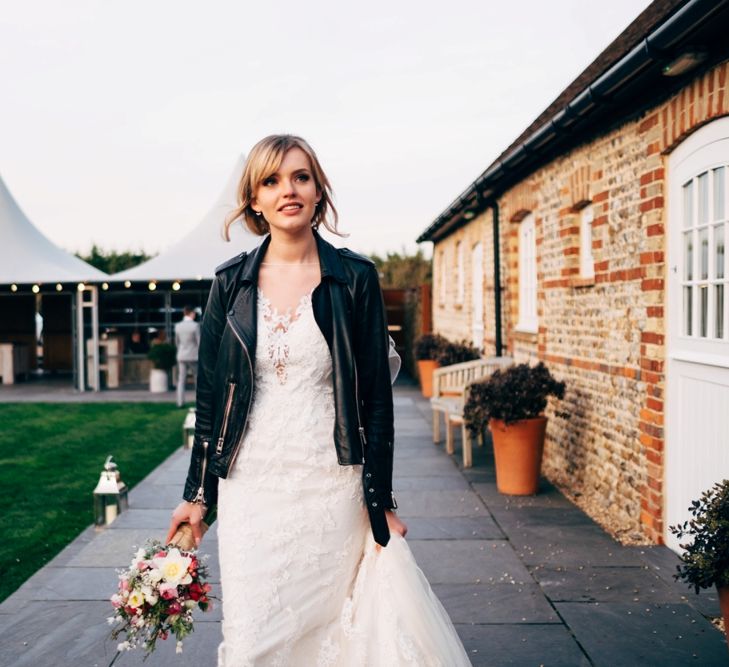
258	213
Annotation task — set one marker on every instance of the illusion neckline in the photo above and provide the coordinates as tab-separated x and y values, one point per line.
291	311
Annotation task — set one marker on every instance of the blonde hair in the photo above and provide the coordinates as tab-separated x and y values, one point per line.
263	161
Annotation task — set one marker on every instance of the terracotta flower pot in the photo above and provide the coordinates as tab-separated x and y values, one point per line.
518	451
724	605
425	371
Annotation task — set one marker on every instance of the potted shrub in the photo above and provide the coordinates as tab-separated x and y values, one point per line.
427	348
163	357
511	402
705	561
456	353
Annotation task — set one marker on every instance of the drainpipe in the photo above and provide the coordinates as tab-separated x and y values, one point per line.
497	277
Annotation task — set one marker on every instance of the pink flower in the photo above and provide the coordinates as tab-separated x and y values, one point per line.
124	584
167	591
174	608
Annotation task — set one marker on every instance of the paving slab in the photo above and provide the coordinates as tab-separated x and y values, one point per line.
639	634
522	645
469	561
604	584
495	603
436	482
453	528
440	503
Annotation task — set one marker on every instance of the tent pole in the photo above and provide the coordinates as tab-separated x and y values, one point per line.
94	305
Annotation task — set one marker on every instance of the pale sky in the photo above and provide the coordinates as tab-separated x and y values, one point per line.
120	121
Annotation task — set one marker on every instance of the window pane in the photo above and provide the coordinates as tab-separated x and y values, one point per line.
687	310
719	193
688	203
704	246
719	311
688	255
719	251
704	311
703	198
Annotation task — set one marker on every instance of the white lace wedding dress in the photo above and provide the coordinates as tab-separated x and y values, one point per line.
302	581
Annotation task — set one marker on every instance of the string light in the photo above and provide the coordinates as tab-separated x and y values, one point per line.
59	287
13	288
35	289
176	286
80	287
105	286
152	286
127	283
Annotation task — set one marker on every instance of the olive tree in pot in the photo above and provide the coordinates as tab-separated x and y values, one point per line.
705	560
427	348
163	357
511	402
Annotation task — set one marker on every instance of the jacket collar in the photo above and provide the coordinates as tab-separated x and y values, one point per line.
330	263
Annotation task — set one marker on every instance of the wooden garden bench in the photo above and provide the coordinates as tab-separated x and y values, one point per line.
450	385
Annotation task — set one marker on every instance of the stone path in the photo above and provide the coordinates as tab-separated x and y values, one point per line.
527	581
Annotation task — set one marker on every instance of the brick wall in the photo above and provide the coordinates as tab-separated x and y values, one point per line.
603	335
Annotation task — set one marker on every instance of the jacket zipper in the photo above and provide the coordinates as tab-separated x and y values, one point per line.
226	415
362	438
200	497
250	396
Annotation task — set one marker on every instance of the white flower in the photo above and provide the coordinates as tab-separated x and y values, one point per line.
178	648
111	620
136	598
174	567
190	604
155	575
124	646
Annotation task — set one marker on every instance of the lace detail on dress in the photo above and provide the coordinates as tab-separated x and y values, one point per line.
277	329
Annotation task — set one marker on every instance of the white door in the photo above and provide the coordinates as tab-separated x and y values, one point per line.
477	296
697	376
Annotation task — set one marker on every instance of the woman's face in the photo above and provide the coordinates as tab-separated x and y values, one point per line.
288	198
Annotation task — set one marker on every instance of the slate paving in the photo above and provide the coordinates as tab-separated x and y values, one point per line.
527	581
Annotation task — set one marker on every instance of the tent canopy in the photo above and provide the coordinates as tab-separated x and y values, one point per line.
196	255
27	256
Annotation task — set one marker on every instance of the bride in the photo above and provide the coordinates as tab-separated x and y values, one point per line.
294	443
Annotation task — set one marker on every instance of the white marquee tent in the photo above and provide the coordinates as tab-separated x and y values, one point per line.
196	255
27	256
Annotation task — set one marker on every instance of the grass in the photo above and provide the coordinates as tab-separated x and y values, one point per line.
51	456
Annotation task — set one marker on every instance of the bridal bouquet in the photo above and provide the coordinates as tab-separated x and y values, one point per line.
157	595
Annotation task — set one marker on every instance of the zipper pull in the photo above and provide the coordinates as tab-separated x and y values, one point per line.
362	435
219	448
200	497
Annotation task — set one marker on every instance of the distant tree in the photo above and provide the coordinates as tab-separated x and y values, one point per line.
111	261
403	270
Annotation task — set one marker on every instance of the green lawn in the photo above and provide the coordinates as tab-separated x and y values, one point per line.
50	459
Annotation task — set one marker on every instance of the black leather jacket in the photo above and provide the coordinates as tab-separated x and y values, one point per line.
349	309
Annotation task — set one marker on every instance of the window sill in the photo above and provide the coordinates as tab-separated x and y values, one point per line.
580	281
525	333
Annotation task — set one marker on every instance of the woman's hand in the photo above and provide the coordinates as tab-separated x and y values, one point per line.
395	524
191	513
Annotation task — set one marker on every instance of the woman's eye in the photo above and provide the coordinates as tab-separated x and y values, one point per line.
269	181
303	177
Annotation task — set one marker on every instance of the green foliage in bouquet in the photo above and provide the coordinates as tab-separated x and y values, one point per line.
163	356
705	562
512	394
428	346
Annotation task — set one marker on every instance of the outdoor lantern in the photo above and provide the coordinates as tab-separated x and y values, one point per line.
188	429
110	495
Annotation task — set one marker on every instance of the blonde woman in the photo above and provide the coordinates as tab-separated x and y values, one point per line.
294	442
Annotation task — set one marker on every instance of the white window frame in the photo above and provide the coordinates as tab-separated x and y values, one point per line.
701	153
460	275
528	321
587	261
443	277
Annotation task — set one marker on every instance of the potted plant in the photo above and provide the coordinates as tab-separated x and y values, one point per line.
511	402
456	353
427	348
163	357
705	560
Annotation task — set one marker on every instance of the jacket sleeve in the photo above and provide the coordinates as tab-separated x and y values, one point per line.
372	345
211	332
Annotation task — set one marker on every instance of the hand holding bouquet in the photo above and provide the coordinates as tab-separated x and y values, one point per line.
157	595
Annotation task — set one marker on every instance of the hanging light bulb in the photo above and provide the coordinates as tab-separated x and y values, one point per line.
81	287
35	289
176	286
127	283
59	287
152	286
13	288
105	286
